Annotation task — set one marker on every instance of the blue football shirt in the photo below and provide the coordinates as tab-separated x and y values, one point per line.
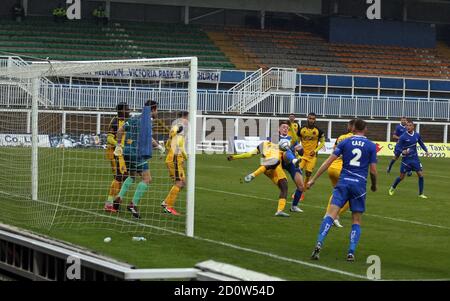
409	142
358	153
400	130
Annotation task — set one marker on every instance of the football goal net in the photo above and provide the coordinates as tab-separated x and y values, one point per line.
60	125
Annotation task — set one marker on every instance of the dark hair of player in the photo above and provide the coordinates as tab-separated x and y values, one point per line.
183	114
153	104
123	111
284	122
312	114
409	121
360	125
351	122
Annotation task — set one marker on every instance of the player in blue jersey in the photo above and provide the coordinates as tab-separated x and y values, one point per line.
407	148
400	129
136	128
290	163
359	155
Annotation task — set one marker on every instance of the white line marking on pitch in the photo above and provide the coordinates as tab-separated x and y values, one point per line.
268	254
318	207
206	240
312	265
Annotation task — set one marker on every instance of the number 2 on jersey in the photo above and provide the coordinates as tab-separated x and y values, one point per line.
355	161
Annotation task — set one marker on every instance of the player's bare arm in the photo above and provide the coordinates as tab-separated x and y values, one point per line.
319	147
373	176
322	169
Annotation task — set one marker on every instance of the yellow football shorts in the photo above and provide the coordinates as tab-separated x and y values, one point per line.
308	163
333	174
276	174
176	169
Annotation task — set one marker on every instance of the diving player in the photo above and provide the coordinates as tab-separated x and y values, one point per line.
271	166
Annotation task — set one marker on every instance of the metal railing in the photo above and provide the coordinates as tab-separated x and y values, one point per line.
105	98
258	86
16	64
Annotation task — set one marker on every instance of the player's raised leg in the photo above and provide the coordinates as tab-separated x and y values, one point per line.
325	227
260	170
290	163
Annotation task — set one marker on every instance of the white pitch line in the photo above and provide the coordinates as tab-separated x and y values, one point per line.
278	257
438	176
318	207
207	240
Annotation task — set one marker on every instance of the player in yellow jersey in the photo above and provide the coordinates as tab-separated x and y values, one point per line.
271	166
118	165
294	129
334	171
175	159
312	139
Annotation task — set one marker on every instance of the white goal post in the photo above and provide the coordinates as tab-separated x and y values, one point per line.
52	179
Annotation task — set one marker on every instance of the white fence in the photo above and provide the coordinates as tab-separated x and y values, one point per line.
96	98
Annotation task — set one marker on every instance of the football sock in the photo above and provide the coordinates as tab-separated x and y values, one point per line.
297	196
354	238
172	196
420	185
125	186
281	204
391	164
141	188
396	182
324	228
113	191
260	170
289	156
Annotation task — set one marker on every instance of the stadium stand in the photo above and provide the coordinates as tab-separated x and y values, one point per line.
43	38
312	53
219	47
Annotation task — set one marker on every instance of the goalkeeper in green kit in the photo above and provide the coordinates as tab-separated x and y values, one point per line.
136	152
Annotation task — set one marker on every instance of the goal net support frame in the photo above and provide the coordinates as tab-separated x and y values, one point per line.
17	72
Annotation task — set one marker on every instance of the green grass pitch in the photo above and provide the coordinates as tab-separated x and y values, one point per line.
235	223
